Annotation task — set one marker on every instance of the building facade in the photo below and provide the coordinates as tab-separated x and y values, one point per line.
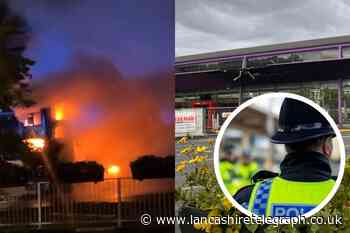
317	69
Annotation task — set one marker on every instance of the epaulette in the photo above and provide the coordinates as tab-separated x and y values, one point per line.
263	175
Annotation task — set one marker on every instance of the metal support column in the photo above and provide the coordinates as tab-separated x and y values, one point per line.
340	99
241	92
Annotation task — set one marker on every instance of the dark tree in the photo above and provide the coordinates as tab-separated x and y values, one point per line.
151	167
14	91
14	67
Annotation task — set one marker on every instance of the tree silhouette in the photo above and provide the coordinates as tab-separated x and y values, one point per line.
14	91
150	167
14	67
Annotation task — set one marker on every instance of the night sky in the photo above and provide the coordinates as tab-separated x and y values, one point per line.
108	66
138	36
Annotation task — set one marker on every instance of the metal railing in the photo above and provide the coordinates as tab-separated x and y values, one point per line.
114	201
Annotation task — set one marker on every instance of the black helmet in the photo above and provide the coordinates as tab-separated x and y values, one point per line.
299	122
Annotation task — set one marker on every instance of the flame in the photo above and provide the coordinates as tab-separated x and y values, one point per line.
102	113
113	170
59	132
59	114
36	144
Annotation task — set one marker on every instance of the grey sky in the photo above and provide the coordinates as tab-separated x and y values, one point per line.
213	25
269	105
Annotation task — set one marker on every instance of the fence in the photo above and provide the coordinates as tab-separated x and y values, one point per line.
200	121
116	201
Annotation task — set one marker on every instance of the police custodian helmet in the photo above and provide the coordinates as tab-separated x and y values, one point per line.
300	122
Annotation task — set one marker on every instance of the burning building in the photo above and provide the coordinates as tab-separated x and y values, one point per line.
102	116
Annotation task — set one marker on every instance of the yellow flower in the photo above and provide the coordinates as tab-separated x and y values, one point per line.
197	226
226	203
208	228
186	150
216	229
204	170
201	149
201	226
197	159
183	162
232	229
183	140
214	212
181	166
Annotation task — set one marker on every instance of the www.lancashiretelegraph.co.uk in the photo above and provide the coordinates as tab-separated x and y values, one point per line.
147	219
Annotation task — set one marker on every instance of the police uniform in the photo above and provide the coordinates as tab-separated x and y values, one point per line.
305	178
244	173
227	171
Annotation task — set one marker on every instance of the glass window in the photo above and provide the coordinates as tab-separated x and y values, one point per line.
197	67
213	66
293	57
317	55
231	65
324	94
346	52
269	60
329	54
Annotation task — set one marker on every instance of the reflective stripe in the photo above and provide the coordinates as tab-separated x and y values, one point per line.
280	197
261	197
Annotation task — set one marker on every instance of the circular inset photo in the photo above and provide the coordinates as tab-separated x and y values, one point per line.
279	155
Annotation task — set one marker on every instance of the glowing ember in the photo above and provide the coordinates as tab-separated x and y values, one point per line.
113	170
59	115
36	144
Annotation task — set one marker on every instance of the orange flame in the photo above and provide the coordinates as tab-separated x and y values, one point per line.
113	170
36	144
59	114
101	114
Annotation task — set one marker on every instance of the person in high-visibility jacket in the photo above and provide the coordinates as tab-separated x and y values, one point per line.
228	164
244	171
227	170
305	174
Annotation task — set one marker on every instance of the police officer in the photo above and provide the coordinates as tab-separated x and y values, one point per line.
248	165
244	170
305	177
228	165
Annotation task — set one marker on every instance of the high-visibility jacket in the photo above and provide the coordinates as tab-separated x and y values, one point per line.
227	170
278	197
244	173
